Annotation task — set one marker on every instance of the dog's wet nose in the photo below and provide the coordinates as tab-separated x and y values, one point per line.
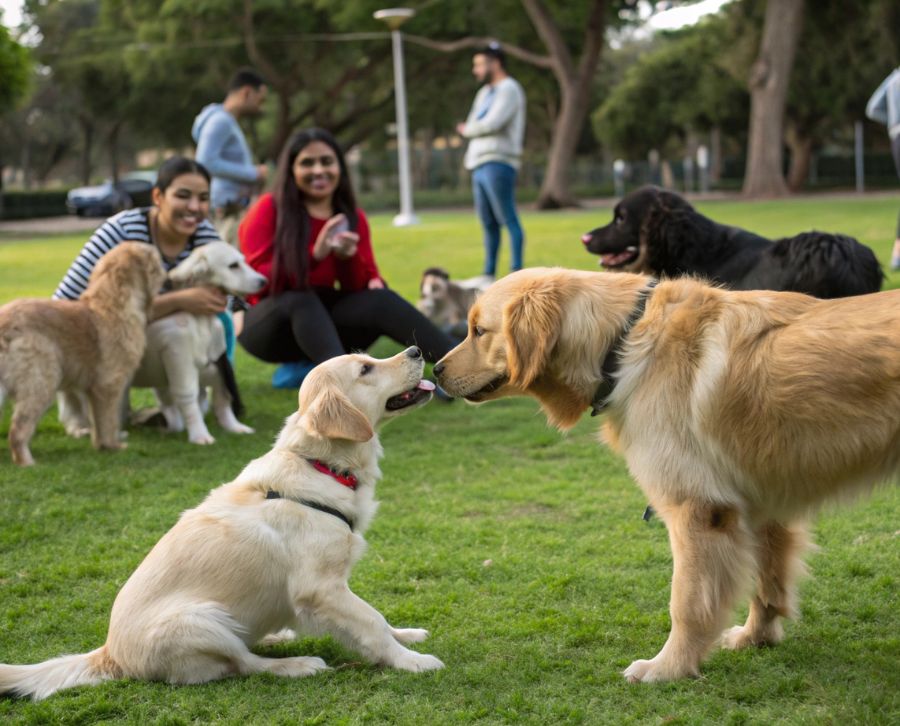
586	238
414	352
439	368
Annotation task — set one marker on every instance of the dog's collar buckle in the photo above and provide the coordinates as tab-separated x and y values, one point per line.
345	478
613	359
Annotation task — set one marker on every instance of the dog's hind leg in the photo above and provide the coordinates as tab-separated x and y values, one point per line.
712	554
29	407
202	643
779	564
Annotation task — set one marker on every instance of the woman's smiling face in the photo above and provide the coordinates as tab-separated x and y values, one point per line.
317	171
184	204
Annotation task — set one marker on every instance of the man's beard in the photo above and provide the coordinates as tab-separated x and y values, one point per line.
486	78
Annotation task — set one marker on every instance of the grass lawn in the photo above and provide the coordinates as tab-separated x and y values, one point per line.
521	550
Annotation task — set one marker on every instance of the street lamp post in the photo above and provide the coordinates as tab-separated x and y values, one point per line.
394	18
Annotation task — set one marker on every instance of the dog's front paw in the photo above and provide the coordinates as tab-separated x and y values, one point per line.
78	432
656	670
409	635
113	446
204	439
417	662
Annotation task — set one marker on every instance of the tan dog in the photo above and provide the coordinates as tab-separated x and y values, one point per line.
271	550
89	347
739	413
447	302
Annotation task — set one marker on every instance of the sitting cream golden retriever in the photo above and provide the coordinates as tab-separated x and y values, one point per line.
738	413
271	550
89	348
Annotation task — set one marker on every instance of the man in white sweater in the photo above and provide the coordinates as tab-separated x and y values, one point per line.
884	107
495	129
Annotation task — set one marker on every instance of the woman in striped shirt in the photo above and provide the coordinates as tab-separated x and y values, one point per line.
176	224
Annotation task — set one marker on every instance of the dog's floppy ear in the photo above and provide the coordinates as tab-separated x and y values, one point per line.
531	325
332	416
193	269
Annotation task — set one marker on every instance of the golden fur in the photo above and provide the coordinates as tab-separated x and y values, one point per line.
88	348
241	569
738	414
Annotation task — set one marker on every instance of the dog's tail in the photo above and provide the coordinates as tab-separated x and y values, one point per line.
44	679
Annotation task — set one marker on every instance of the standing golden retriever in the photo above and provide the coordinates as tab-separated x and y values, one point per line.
738	413
271	550
89	347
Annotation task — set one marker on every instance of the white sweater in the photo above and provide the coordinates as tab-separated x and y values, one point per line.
498	134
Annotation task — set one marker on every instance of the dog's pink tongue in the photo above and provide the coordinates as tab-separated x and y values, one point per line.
425	385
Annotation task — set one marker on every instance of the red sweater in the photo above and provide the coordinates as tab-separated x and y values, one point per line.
257	237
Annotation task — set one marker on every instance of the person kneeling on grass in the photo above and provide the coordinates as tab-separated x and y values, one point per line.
325	295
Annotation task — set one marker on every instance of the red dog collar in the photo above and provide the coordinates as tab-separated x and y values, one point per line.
341	477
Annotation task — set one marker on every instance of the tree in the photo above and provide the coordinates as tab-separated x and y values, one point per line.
769	83
14	69
573	37
677	88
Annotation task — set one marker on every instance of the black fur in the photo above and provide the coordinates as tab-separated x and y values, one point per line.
681	241
228	377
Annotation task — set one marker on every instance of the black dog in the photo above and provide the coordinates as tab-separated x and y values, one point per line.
655	231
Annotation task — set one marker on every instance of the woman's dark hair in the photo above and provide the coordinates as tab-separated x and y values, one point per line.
174	167
290	262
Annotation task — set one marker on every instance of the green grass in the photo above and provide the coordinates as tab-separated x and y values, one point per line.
522	550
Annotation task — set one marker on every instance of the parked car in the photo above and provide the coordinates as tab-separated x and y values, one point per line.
132	190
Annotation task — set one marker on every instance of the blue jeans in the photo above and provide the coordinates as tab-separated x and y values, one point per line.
494	187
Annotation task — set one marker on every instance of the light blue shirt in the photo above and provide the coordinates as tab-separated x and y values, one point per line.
223	150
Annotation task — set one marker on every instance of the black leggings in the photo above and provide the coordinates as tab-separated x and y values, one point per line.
323	323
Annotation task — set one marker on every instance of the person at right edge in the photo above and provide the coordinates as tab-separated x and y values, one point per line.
495	129
884	107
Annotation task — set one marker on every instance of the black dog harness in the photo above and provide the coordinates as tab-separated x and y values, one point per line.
614	357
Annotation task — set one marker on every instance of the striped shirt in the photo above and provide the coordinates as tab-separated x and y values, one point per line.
132	225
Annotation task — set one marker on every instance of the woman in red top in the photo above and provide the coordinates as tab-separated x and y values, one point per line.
325	294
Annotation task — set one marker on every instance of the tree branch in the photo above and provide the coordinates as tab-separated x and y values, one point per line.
451	46
549	34
253	53
593	40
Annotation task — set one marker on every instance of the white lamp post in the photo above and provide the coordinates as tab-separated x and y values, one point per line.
394	18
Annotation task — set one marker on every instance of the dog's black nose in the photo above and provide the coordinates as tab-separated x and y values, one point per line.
439	368
414	352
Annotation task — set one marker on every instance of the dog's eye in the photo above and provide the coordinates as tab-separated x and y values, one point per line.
478	331
367	367
234	266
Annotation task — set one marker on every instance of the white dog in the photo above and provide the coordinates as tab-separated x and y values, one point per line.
270	551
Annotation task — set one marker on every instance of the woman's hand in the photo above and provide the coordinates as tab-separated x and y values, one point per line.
322	248
204	300
376	283
344	245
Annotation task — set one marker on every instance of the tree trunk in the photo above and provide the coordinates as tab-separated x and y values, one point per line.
768	85
715	155
575	94
555	190
800	147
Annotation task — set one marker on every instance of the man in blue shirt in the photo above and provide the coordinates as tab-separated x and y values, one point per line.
223	150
